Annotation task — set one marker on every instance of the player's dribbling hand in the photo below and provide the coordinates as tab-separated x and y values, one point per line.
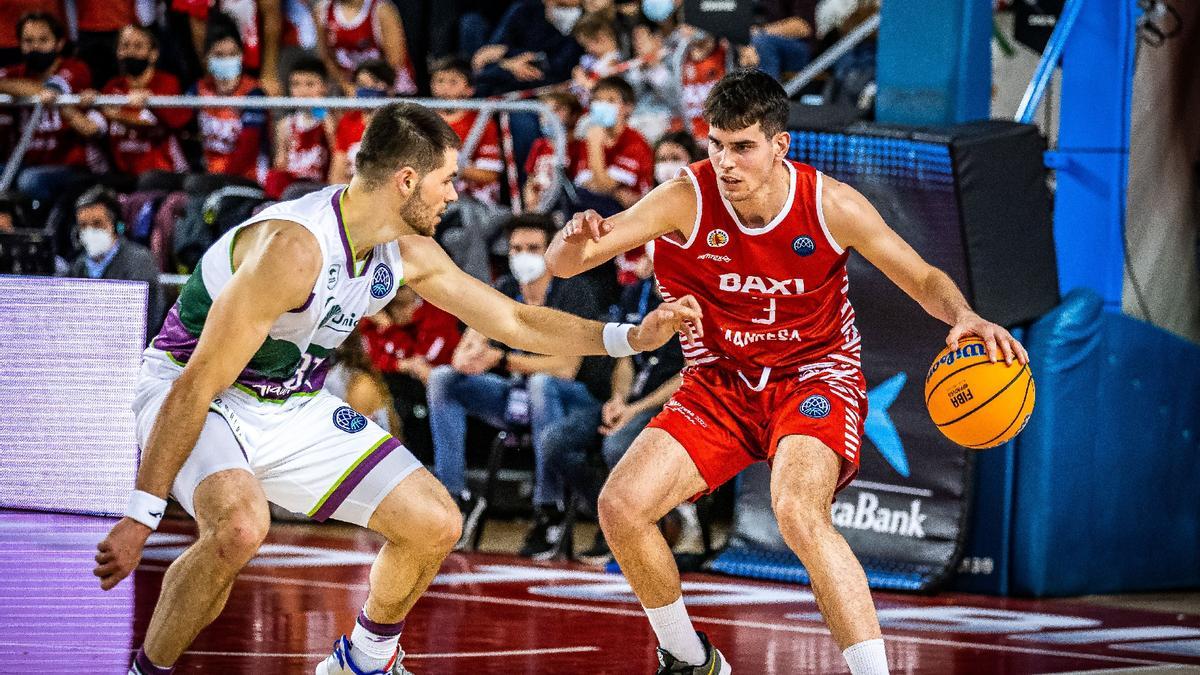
1000	343
666	320
120	552
586	225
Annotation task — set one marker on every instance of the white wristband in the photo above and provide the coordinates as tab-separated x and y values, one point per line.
616	339
146	508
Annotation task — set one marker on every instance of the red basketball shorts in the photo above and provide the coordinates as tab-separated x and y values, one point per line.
727	420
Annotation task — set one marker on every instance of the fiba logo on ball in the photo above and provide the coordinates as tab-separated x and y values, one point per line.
349	420
815	406
718	238
381	283
803	246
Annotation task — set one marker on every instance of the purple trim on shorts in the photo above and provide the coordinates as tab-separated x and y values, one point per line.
146	667
380	629
303	307
356	476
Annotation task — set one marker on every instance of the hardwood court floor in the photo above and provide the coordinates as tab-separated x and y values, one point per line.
490	613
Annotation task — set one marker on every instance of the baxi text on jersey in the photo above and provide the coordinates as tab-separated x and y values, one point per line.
736	283
743	338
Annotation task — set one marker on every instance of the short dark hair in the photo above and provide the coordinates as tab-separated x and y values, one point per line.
744	97
403	134
221	26
453	64
684	140
617	84
100	195
593	25
378	69
532	221
564	98
309	64
51	21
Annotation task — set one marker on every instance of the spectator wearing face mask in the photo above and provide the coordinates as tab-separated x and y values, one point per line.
617	163
302	137
530	48
509	388
57	156
141	139
372	79
108	255
258	25
705	63
233	137
673	152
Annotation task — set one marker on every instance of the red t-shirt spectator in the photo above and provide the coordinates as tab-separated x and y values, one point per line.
55	142
243	12
307	147
136	150
629	161
699	77
104	16
433	335
349	135
357	40
486	156
11	12
233	137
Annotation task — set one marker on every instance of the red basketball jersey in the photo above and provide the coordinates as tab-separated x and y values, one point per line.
773	296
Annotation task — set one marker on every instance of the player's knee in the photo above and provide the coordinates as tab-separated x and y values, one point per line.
802	525
239	537
619	506
443	528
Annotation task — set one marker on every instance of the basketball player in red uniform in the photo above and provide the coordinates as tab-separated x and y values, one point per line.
773	372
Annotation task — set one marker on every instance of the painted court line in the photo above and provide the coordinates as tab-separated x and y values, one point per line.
737	623
77	648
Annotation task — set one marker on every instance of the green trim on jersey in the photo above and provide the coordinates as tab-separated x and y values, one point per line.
275	359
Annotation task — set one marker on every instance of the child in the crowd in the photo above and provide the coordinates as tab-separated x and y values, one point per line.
704	64
302	137
654	80
539	164
602	53
372	79
480	178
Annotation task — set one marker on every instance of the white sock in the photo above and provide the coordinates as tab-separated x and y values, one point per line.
867	658
372	645
675	634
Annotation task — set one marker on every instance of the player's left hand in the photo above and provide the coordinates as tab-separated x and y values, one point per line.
666	320
120	552
1000	343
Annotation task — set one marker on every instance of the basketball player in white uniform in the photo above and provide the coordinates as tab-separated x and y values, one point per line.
229	407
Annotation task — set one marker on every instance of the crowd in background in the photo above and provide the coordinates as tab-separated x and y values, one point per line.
130	191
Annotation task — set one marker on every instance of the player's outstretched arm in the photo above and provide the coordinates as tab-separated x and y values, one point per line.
278	264
539	330
854	223
589	239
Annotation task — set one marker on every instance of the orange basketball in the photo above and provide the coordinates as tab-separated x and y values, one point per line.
974	402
